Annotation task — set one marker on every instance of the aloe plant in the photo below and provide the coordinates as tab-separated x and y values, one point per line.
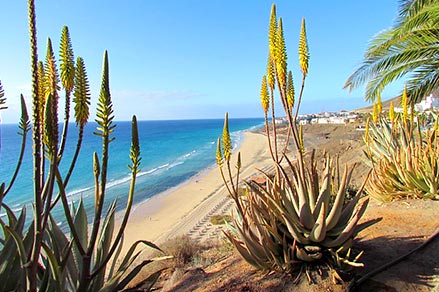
38	255
299	215
405	160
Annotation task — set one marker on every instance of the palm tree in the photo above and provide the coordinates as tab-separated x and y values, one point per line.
410	47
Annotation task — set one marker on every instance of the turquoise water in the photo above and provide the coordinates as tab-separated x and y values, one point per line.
172	152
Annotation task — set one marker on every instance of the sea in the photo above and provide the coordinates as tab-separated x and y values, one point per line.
172	152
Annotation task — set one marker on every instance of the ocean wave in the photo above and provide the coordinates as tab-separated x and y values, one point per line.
190	154
142	173
78	192
177	163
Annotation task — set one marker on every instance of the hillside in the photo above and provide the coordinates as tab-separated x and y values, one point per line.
216	266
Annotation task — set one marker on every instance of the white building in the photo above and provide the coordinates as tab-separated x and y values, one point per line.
428	103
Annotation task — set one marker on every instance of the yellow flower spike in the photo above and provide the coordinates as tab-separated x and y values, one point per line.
219	155
51	78
404	103
270	72
265	101
227	142
290	90
41	88
303	50
392	112
272	32
375	113
281	57
379	105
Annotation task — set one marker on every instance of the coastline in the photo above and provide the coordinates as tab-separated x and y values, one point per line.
177	210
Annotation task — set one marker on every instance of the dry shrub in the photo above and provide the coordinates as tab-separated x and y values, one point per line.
183	248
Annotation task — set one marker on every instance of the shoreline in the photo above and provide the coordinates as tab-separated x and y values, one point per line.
179	209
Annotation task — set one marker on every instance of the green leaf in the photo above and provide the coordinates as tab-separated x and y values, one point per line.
54	267
104	244
81	224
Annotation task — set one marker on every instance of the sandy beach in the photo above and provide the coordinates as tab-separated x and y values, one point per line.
186	208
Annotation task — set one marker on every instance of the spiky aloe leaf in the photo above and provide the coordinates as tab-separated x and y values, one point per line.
145	284
349	229
67	64
265	100
227	142
303	50
61	248
81	94
103	246
18	242
318	232
129	255
12	273
55	269
335	213
81	224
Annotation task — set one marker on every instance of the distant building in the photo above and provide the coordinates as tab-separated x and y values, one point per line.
430	102
330	120
281	121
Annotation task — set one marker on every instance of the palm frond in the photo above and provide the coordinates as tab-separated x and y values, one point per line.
2	97
409	48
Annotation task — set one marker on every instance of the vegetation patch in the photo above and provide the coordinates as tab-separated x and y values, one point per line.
220	219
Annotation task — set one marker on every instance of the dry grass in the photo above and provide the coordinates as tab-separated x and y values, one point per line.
220	219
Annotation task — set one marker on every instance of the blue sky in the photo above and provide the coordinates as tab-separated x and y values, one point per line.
195	59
